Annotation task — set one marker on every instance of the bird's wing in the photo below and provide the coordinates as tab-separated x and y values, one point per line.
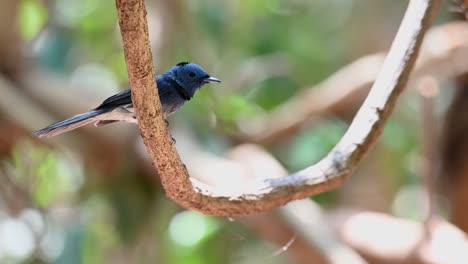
120	99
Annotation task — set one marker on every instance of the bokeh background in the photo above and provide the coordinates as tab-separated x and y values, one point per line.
91	196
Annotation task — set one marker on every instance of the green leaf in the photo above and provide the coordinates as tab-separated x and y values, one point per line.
232	107
32	18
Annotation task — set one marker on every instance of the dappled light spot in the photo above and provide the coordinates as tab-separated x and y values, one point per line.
16	239
189	228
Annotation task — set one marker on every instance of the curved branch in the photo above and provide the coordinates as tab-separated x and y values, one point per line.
329	173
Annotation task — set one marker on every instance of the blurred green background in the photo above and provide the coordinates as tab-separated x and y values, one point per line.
91	197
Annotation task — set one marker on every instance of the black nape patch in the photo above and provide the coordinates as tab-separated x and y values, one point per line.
182	63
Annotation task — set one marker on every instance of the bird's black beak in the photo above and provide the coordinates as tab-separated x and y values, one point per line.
211	79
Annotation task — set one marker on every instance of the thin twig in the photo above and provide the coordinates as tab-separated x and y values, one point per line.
428	89
327	174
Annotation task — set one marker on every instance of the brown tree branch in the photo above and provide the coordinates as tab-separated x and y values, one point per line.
442	55
134	29
329	173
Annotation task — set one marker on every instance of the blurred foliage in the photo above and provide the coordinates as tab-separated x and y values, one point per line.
32	18
50	175
89	217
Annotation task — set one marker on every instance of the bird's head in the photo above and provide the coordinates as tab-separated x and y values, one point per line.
190	76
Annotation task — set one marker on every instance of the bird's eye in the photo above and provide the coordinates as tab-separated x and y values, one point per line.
192	74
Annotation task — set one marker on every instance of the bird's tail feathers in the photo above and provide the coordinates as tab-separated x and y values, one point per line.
69	124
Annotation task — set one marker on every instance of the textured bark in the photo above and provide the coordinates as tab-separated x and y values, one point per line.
267	194
138	57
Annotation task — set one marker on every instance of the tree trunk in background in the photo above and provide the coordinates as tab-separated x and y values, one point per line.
454	155
10	51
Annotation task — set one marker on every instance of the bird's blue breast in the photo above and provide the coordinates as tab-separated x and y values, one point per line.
170	99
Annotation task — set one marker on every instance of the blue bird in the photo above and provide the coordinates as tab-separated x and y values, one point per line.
176	86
